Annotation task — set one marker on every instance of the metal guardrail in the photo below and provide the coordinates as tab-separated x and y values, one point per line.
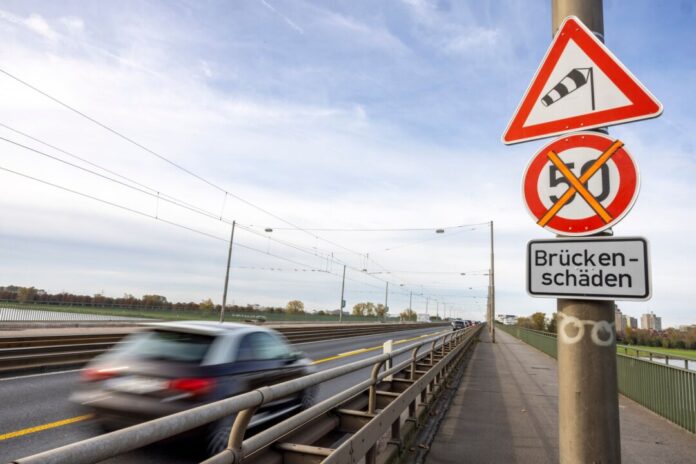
50	352
652	355
360	416
74	311
542	341
666	390
13	314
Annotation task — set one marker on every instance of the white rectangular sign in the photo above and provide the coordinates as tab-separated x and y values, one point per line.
602	268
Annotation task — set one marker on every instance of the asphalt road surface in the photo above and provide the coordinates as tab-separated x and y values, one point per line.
35	414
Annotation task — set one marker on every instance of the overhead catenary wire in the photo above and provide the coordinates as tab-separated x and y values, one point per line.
159	195
150	216
397	229
154	193
186	227
167	160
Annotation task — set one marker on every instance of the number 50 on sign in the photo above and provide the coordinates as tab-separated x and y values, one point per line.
580	184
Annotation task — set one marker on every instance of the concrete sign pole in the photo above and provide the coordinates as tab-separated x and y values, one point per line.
588	398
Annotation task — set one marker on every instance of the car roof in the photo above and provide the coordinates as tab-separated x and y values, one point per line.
207	327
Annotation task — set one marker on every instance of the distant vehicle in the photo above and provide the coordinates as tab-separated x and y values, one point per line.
458	324
422	317
174	366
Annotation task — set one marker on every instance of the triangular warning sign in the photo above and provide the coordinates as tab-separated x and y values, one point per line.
580	85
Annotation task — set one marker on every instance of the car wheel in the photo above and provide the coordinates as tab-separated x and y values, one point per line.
218	436
309	397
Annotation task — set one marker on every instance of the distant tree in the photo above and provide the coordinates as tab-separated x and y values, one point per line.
294	307
206	305
525	322
538	321
360	309
380	311
408	315
154	300
551	326
26	294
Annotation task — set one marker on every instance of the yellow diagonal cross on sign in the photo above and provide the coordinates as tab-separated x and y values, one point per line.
578	185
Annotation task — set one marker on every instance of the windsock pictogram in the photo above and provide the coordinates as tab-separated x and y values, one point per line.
575	79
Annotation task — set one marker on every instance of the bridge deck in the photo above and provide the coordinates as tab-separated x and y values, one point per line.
505	411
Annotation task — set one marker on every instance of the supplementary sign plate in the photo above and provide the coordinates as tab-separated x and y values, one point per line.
602	268
580	184
580	85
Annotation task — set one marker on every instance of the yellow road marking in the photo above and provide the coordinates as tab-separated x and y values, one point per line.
372	348
349	353
72	420
50	425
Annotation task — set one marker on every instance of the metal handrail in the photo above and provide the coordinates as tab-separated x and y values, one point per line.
238	450
655	354
108	445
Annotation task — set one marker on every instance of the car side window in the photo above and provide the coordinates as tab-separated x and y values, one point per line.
258	346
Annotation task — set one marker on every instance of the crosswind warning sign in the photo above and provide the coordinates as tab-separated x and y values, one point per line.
580	184
580	85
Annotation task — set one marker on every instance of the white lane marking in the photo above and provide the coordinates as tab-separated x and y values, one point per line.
38	375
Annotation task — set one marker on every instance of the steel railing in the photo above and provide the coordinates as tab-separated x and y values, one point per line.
669	391
57	351
363	413
653	355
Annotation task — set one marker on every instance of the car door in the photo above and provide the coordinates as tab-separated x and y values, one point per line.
266	359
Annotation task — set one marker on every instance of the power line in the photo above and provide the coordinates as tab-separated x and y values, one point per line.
179	225
182	168
150	216
167	160
151	191
95	165
402	229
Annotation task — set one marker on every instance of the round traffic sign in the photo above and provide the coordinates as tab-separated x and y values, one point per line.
580	184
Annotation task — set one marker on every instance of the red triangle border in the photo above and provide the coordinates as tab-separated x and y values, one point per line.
643	104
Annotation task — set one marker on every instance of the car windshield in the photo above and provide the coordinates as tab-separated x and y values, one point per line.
168	346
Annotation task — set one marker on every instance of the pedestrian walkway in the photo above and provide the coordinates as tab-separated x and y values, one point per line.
506	411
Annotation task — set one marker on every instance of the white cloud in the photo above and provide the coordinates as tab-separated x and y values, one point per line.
474	39
35	23
73	24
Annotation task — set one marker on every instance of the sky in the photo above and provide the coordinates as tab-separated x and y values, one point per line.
296	116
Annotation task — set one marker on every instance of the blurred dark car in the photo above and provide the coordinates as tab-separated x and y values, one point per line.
174	366
458	325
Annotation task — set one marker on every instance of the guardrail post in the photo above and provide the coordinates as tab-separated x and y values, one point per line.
239	427
371	456
412	411
372	395
432	353
396	432
413	362
387	348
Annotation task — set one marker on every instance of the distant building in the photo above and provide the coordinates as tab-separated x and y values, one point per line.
650	321
630	322
619	320
507	319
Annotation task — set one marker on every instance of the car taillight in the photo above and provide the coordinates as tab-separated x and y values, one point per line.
194	386
94	375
